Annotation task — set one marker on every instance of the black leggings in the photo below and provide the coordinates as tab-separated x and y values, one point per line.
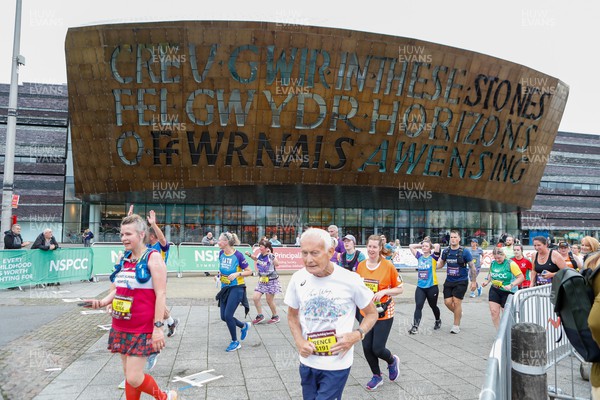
431	294
374	345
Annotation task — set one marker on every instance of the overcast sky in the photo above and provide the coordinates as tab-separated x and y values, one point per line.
558	38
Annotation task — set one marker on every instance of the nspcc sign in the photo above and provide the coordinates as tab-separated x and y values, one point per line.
238	103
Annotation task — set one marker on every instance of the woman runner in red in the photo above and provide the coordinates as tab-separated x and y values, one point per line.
138	305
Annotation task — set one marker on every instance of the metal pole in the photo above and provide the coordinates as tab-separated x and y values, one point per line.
11	128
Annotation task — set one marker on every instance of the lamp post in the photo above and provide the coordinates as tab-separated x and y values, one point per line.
11	127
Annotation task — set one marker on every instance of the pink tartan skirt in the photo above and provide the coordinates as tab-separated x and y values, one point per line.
131	344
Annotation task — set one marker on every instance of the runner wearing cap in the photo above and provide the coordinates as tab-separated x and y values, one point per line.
350	258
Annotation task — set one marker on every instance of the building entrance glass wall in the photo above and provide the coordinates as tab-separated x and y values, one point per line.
190	222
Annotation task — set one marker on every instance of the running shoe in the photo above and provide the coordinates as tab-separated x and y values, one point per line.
479	289
274	319
122	385
173	327
438	324
455	329
259	318
171	395
375	382
245	329
393	369
233	346
472	295
151	361
413	330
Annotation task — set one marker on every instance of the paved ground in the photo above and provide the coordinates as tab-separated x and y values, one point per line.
66	358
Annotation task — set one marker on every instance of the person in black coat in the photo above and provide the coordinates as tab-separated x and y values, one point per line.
13	239
45	241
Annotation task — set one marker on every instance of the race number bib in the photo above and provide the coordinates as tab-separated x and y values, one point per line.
121	307
372	284
225	280
497	283
542	281
453	271
263	279
423	274
322	341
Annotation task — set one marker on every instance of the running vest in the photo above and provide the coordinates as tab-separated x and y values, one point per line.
501	274
142	272
350	265
548	266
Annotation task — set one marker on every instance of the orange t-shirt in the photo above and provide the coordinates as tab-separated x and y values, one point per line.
383	277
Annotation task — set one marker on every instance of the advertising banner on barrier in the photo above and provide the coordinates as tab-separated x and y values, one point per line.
107	255
289	258
30	267
205	258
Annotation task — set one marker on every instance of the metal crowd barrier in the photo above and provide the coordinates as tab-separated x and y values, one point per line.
497	375
533	305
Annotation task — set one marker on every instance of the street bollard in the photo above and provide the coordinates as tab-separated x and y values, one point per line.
528	355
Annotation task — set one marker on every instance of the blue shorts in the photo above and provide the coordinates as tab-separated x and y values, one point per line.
318	384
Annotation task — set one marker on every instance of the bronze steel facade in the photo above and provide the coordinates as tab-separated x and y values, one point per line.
227	104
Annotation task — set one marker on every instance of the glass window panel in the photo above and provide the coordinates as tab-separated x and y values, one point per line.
211	215
418	219
402	218
231	215
473	219
249	215
368	218
512	223
314	217
327	215
352	217
387	218
272	217
458	219
193	213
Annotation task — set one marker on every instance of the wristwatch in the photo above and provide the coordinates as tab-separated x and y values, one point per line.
362	333
159	324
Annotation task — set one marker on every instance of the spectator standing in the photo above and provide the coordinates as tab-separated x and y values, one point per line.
274	241
13	239
45	241
87	238
208	239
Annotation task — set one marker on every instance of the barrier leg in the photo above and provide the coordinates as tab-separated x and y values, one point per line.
529	358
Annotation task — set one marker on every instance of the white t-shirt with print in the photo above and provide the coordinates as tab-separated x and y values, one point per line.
325	304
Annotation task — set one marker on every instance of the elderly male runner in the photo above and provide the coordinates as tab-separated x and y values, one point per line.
322	300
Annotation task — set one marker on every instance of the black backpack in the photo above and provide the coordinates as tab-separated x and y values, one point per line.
573	297
460	260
